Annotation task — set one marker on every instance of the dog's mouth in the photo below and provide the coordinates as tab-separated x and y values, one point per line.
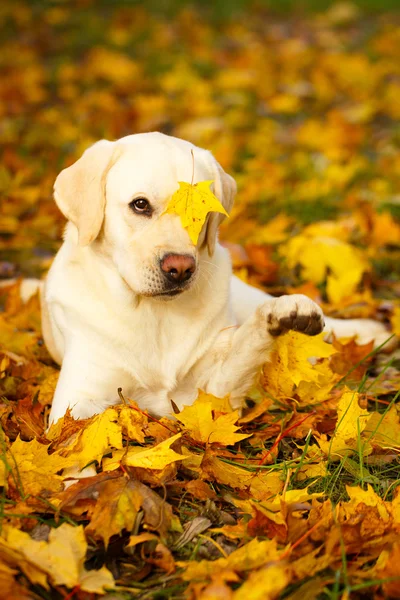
170	293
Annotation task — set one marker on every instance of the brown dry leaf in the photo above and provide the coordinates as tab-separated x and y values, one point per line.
162	557
388	569
271	518
116	508
348	357
10	589
112	501
200	490
29	415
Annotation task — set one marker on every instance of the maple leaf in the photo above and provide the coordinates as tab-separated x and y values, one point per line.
116	508
112	500
250	556
264	584
133	422
33	469
193	202
289	366
101	433
198	420
157	457
351	422
383	430
344	262
259	485
61	559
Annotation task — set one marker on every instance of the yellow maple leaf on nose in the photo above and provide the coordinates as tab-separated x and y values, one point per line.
193	202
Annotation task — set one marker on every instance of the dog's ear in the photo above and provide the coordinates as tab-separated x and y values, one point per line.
79	190
225	191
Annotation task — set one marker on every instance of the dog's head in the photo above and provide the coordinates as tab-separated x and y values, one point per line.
115	195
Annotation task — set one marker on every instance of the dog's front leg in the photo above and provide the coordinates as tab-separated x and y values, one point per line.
234	371
246	299
88	383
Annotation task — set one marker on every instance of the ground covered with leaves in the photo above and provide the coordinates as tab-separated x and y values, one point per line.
298	498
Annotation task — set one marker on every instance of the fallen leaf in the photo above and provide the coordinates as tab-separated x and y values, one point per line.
101	433
351	422
383	430
198	420
61	559
264	584
156	458
117	506
33	470
253	555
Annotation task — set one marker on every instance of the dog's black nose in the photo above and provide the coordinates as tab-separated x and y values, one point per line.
178	268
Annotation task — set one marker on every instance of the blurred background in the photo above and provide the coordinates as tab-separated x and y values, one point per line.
300	101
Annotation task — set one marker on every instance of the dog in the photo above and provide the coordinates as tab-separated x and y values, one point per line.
130	302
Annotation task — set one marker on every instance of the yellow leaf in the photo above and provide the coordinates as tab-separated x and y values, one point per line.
34	469
334	256
218	404
264	584
193	203
351	423
383	430
102	433
368	498
338	288
385	230
260	485
133	423
253	555
198	420
62	558
134	540
289	366
116	508
274	231
157	457
396	321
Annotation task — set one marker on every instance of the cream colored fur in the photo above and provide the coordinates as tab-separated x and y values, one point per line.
104	316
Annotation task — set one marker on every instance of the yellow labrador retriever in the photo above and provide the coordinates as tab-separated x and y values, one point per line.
130	302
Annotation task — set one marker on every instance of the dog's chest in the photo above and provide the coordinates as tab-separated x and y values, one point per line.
158	350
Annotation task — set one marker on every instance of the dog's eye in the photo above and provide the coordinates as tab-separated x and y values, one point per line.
141	206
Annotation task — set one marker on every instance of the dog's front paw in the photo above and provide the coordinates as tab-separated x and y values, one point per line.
296	312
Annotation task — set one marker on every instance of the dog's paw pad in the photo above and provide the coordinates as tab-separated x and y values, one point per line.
296	313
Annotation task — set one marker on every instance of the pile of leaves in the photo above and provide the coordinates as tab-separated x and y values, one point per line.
298	496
